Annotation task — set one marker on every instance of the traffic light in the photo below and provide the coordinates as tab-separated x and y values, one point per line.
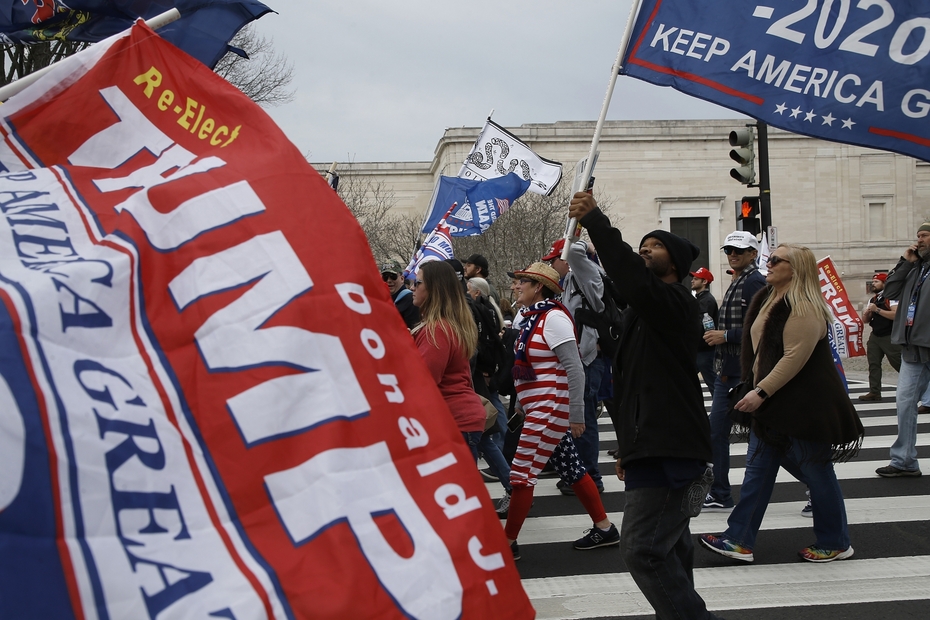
747	215
742	153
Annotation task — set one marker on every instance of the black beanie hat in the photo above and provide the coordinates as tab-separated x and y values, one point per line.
681	251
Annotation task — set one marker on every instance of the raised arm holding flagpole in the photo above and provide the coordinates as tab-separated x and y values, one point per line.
571	229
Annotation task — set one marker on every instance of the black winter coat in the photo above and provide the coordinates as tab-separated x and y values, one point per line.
661	408
813	405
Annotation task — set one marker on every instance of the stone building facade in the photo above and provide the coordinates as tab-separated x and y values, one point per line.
860	206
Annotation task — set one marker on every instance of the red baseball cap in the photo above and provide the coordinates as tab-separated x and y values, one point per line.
880	276
555	250
703	274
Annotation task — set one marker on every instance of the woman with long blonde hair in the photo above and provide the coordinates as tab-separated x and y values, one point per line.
801	415
446	337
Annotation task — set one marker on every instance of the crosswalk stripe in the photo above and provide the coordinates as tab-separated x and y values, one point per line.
844	471
872	504
740	449
778	516
740	587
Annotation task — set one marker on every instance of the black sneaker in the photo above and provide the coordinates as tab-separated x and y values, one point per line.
808	510
596	537
515	550
890	471
564	488
503	506
487	475
712	504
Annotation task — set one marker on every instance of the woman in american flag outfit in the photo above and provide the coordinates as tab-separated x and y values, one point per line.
549	379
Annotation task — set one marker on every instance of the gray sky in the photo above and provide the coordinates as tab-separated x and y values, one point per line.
380	80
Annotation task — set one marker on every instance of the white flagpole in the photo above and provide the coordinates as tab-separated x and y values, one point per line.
19	85
490	114
570	229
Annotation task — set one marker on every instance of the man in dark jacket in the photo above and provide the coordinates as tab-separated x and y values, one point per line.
664	435
707	306
911	329
393	276
880	316
741	249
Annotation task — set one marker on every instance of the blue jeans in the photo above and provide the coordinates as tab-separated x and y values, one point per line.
720	426
655	543
705	365
912	381
762	463
471	440
589	443
490	448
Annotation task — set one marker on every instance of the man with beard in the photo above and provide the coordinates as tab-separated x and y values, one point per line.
663	432
880	317
911	329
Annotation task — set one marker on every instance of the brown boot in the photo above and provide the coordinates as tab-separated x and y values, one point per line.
870	396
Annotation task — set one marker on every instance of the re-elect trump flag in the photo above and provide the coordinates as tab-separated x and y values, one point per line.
846	331
203	30
853	72
209	406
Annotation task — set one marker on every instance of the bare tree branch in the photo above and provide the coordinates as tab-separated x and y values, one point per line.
264	76
391	237
523	234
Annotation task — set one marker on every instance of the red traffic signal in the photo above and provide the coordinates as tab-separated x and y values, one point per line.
747	217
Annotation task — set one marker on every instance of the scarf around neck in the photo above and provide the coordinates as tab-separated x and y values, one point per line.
522	370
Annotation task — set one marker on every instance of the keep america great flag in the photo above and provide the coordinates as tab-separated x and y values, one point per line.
209	407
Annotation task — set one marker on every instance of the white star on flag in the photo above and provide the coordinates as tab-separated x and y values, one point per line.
828	120
809	116
848	123
795	112
780	108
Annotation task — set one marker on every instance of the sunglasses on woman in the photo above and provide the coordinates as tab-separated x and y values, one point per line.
774	260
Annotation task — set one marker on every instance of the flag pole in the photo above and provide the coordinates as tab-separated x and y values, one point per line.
19	85
571	228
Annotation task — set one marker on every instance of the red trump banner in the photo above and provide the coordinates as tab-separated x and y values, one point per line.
209	406
846	331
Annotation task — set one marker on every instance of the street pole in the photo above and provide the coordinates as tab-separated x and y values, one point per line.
765	190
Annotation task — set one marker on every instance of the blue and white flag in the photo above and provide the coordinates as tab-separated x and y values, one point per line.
851	72
438	246
491	199
478	203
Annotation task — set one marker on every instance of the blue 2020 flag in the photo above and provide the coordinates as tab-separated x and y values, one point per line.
841	70
478	203
203	31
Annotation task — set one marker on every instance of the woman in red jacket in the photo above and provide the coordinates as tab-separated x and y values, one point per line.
447	337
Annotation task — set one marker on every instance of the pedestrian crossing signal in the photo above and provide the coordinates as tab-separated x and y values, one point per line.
747	216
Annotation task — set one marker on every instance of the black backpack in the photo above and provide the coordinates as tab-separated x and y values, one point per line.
607	322
491	354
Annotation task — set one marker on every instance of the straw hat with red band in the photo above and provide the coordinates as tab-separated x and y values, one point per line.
542	273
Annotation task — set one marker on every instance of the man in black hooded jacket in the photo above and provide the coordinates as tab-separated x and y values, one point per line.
664	433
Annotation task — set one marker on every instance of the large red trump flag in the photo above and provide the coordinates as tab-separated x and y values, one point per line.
209	407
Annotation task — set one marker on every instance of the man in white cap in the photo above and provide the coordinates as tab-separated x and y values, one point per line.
741	249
